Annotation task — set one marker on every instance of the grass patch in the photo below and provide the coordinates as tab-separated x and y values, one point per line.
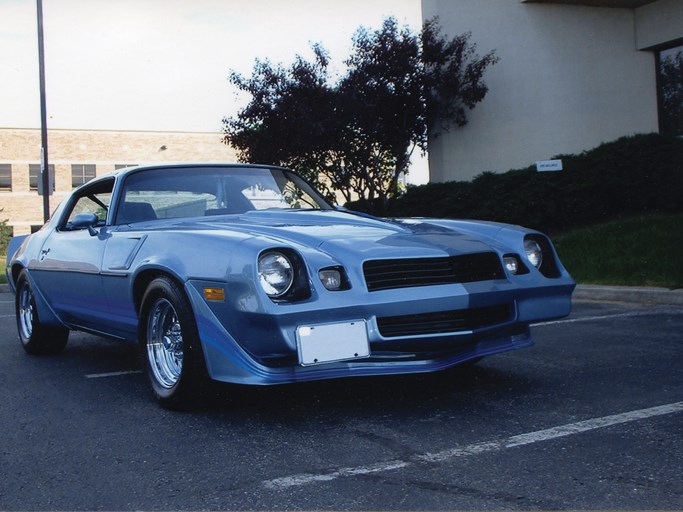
638	251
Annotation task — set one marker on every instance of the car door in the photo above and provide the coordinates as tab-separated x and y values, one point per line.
68	268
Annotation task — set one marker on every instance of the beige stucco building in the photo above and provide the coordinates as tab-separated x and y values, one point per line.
572	74
79	155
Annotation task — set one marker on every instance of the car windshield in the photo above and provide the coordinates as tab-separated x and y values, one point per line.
200	191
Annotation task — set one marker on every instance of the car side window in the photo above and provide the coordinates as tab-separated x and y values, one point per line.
94	200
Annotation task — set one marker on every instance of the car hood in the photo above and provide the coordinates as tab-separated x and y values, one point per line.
337	232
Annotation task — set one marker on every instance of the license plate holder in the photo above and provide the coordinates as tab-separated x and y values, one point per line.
328	343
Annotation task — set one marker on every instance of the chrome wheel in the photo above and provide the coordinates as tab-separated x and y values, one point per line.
164	343
36	337
25	313
171	346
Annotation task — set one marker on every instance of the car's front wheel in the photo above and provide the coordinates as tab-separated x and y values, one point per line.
171	346
36	337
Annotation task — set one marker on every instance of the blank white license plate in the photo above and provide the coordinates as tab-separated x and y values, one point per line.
326	343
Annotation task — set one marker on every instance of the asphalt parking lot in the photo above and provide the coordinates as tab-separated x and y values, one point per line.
589	418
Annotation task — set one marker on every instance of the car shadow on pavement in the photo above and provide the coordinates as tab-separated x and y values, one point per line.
371	396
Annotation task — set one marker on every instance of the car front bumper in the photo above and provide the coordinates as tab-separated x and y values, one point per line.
251	342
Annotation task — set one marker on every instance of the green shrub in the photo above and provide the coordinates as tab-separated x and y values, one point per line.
635	251
5	234
634	175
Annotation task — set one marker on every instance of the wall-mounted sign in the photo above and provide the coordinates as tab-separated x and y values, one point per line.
548	165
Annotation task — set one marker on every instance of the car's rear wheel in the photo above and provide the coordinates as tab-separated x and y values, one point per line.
35	337
172	350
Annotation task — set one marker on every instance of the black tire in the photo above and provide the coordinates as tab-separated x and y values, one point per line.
35	337
171	348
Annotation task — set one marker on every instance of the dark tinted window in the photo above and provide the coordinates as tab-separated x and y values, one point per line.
6	177
81	173
670	83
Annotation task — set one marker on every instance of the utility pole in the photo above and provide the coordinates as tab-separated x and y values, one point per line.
44	167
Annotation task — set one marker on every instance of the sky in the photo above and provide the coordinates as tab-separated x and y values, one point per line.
163	64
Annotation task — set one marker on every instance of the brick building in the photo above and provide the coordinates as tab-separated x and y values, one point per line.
76	156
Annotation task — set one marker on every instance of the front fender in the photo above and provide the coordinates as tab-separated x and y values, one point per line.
15	243
45	312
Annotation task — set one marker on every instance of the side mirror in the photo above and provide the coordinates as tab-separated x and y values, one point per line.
86	220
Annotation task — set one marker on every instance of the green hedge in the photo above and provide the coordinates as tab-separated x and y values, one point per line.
634	175
635	251
5	235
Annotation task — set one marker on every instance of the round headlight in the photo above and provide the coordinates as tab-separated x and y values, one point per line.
534	253
275	273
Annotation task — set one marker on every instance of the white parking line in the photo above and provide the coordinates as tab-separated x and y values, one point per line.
477	448
111	374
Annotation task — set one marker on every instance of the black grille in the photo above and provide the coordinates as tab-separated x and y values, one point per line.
405	273
444	322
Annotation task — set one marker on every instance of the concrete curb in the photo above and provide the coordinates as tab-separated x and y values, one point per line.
641	295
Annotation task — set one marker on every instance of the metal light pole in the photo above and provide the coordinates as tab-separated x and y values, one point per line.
44	167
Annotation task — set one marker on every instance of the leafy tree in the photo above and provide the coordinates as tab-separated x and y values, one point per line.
290	119
671	78
356	136
407	84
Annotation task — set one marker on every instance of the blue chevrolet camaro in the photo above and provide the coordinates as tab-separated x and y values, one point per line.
245	274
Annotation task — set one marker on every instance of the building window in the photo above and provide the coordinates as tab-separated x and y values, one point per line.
123	166
81	173
6	177
670	86
34	176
